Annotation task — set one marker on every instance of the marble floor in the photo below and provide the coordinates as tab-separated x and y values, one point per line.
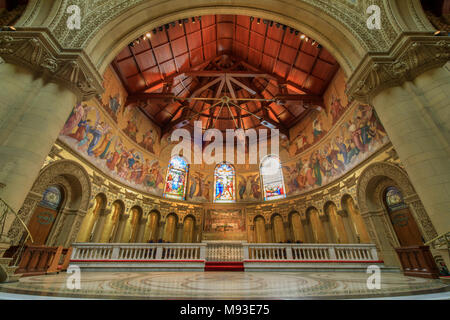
224	285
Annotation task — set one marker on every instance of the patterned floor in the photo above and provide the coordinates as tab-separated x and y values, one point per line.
223	285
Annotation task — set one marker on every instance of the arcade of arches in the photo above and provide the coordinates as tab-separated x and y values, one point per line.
86	118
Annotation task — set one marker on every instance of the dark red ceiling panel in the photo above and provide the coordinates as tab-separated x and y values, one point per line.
245	44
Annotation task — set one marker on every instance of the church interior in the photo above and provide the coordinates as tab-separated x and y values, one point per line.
116	121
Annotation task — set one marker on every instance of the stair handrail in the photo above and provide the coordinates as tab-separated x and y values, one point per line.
3	215
6	209
445	237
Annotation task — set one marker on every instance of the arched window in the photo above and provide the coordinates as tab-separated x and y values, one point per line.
394	199
272	178
176	178
224	181
52	198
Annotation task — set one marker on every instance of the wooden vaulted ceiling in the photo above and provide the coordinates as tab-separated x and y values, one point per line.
225	55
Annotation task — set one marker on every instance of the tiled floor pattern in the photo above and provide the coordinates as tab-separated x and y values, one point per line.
223	285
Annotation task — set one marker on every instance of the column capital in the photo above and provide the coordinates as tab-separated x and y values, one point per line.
39	51
410	55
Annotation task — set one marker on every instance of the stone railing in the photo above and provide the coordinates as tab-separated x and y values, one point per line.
310	252
225	251
120	252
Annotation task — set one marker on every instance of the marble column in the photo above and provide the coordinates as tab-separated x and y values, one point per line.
141	231
297	228
40	84
100	225
118	237
383	236
409	87
416	117
32	113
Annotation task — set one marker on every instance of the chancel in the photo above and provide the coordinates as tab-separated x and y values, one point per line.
224	150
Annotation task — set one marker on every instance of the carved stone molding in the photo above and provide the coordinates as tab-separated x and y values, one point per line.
54	152
410	56
97	179
130	195
113	189
38	51
343	213
381	169
350	182
334	190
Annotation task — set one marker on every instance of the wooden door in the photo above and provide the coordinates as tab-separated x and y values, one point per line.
406	228
41	224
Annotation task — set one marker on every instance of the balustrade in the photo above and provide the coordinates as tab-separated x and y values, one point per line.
224	252
310	252
137	252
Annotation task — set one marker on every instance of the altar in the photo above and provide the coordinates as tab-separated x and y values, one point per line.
224	225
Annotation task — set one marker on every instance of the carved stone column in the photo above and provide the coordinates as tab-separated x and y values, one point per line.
100	225
383	236
349	228
25	213
121	228
41	83
409	87
141	230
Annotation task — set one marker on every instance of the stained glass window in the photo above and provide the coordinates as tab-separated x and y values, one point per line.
225	183
272	178
176	177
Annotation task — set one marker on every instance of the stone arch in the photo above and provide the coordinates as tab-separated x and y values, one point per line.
170	228
339	26
133	227
112	228
278	230
376	175
91	227
152	227
75	183
296	227
260	228
350	207
189	222
370	190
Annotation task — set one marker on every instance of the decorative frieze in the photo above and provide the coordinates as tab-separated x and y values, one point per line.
410	56
38	51
113	189
97	179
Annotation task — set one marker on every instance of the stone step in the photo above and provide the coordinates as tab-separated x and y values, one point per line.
7	272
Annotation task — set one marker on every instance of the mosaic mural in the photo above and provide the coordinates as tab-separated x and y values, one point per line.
352	141
130	119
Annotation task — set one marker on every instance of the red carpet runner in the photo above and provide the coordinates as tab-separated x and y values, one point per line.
224	266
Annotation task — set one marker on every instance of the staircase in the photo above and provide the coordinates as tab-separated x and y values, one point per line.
224	266
224	256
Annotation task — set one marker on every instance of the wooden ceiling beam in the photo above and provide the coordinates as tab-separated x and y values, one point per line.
236	74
